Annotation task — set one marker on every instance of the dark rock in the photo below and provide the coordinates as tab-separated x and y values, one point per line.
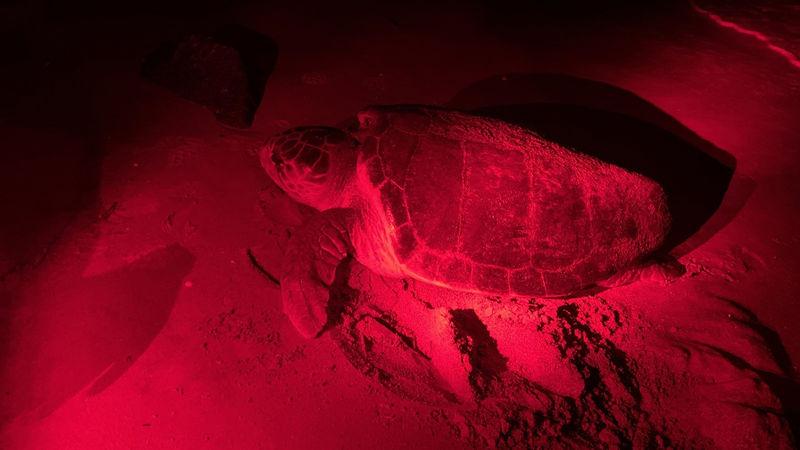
225	71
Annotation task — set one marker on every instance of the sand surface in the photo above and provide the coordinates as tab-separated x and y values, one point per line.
133	316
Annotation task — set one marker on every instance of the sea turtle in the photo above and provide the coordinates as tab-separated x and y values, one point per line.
461	201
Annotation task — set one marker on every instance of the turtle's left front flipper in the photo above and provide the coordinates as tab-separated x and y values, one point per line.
314	253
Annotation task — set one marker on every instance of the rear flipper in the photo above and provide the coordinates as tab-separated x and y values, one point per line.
314	253
662	270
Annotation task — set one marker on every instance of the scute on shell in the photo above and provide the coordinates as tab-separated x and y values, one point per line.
482	205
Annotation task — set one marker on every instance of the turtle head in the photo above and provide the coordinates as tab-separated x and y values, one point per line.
311	164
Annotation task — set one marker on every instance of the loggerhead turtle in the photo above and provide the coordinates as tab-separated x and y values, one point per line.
460	201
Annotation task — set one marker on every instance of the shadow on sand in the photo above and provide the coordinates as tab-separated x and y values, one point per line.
90	331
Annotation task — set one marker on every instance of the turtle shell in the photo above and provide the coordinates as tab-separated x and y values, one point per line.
480	205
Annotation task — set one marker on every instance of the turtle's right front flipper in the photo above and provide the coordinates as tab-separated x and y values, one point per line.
314	253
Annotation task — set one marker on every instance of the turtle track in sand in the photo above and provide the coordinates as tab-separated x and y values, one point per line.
506	409
622	391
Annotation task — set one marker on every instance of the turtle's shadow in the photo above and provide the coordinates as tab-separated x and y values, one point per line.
619	127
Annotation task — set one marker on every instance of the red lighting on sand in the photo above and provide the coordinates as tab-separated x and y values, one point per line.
588	240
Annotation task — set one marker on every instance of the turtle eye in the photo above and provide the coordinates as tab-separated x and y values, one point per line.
308	156
277	160
367	120
322	164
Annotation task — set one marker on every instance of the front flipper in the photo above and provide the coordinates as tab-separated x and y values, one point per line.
314	253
